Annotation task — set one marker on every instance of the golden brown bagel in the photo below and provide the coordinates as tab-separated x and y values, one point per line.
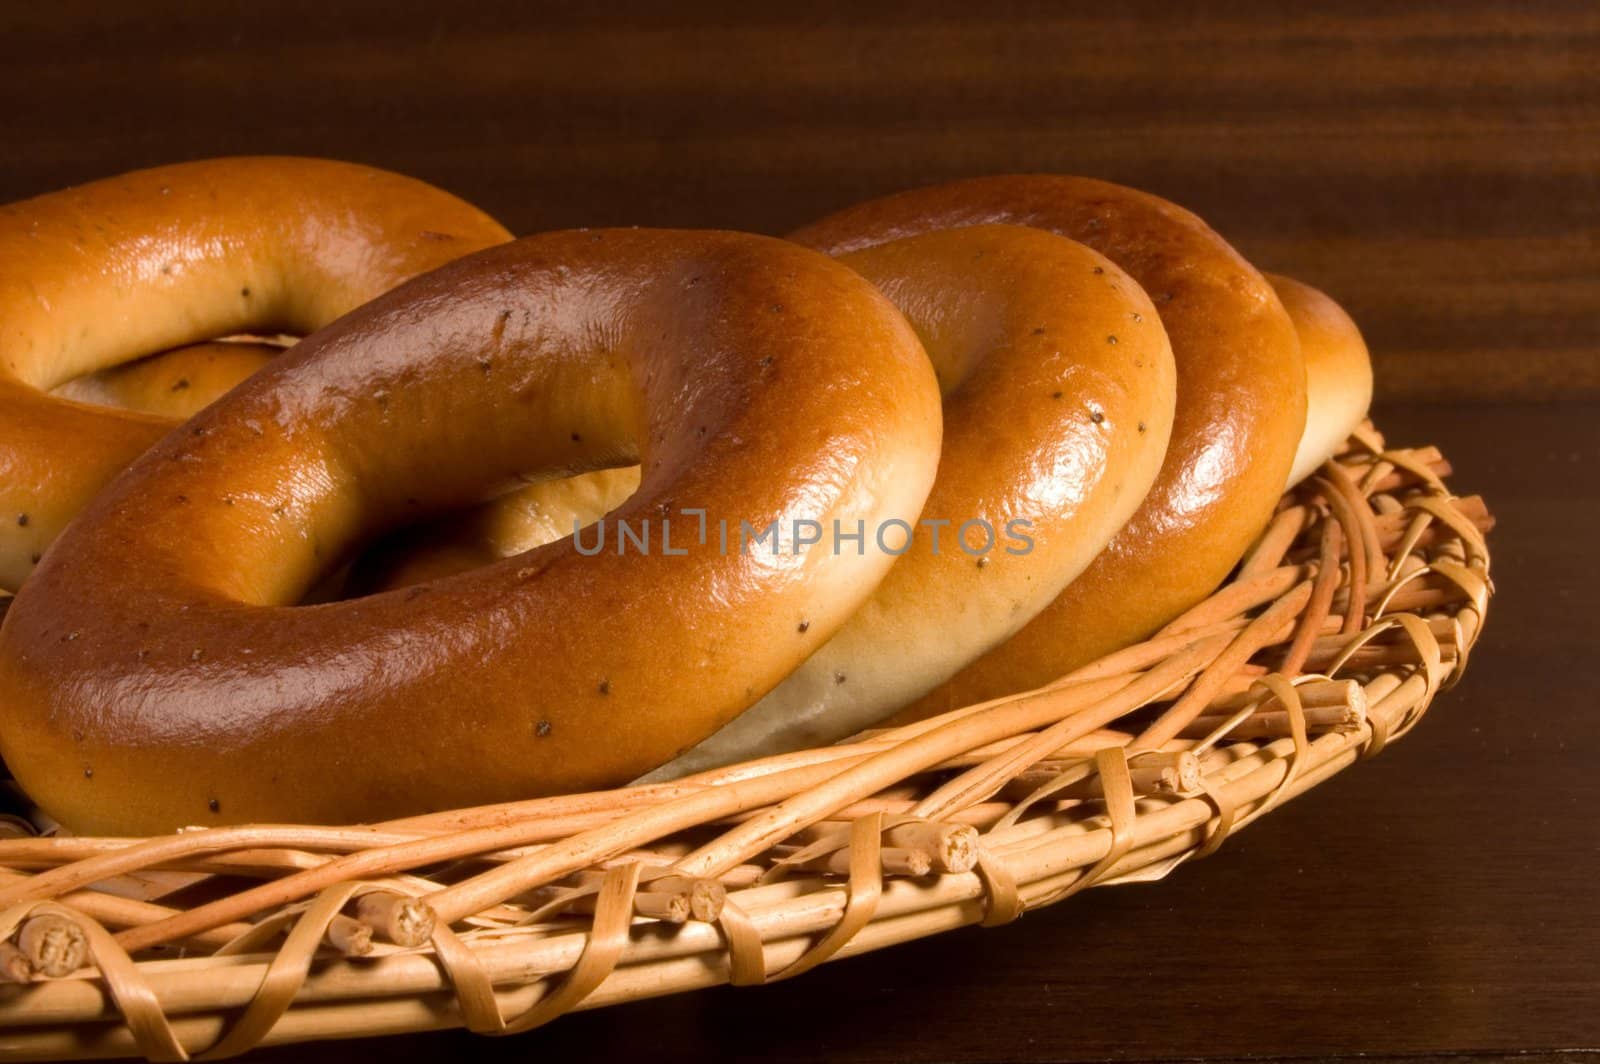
1240	409
1046	424
1052	435
154	676
173	384
98	275
1338	372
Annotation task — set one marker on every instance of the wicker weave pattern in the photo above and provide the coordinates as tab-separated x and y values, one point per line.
1358	604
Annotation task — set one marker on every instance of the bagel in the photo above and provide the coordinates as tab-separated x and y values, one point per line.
1047	425
155	675
1338	373
1241	409
174	384
98	275
1058	384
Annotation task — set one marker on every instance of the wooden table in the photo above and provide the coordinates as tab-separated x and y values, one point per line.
1436	169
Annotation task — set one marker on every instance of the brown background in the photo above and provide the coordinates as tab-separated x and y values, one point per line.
1437	170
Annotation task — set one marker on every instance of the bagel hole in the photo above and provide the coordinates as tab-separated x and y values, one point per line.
178	382
460	540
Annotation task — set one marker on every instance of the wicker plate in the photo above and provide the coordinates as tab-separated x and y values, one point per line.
1359	603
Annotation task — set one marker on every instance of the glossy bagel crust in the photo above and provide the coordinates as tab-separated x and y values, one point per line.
1338	372
1046	421
104	273
1241	408
154	674
173	384
1058	382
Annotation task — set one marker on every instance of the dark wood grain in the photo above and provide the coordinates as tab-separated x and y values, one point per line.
1441	899
1436	168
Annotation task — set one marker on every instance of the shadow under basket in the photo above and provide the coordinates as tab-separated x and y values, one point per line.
1357	605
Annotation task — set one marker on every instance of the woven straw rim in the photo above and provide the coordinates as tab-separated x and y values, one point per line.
1357	605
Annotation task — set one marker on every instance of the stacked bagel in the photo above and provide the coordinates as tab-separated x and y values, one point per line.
324	500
